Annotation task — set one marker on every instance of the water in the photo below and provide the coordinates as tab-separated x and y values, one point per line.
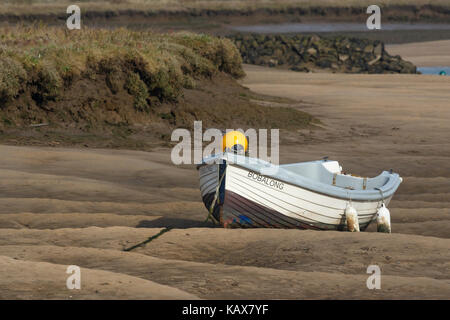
335	27
434	70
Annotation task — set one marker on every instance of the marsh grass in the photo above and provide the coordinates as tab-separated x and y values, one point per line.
211	14
54	6
45	61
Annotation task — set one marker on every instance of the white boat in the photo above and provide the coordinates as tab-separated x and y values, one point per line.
246	192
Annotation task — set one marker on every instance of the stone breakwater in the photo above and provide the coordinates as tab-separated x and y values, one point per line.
314	53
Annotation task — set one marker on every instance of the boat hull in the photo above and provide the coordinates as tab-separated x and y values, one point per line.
246	199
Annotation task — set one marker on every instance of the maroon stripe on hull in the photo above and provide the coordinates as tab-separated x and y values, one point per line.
241	212
247	219
238	207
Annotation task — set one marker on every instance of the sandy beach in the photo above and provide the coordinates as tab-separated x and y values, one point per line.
423	54
84	206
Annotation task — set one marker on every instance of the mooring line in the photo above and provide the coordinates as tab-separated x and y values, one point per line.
149	239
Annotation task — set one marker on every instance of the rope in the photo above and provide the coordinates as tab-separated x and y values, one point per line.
382	196
213	204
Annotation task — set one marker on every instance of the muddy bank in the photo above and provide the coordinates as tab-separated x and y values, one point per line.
98	118
117	14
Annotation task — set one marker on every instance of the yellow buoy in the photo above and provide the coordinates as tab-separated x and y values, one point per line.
234	141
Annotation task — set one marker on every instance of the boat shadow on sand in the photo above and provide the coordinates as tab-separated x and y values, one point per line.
175	223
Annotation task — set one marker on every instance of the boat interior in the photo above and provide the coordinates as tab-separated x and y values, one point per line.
330	173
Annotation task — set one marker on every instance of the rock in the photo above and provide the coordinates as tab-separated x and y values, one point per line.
394	67
262	61
378	50
273	63
368	49
278	53
407	67
374	60
324	63
339	54
312	51
315	38
300	69
343	57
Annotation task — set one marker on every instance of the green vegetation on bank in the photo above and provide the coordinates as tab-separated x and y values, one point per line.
43	61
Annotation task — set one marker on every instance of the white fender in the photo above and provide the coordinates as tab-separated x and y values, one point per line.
351	217
383	219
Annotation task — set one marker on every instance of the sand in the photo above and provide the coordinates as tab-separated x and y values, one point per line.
68	206
424	54
41	280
